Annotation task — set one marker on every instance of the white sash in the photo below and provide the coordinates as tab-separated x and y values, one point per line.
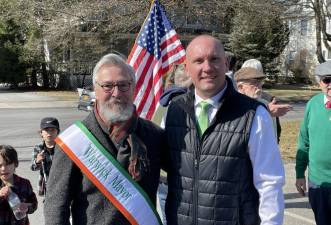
107	175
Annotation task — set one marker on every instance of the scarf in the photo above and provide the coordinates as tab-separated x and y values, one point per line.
123	135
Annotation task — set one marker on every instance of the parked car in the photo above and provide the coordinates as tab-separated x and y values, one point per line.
86	99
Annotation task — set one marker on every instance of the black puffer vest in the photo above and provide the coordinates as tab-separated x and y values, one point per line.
210	178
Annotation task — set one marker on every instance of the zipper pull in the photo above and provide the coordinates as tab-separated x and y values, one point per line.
196	163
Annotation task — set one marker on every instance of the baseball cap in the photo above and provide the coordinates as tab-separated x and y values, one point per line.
49	122
323	69
247	73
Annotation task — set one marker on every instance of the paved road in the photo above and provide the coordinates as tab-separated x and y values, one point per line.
20	115
296	113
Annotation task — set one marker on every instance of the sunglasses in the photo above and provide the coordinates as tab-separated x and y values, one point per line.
326	80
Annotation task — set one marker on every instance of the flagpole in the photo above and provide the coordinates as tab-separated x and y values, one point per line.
156	48
150	9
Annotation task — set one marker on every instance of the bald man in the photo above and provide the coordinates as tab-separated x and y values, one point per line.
225	162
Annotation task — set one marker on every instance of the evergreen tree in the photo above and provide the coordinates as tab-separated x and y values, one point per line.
259	34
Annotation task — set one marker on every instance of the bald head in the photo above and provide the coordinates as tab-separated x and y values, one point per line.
195	42
206	65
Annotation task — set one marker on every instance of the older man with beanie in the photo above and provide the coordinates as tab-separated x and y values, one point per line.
314	148
225	163
107	167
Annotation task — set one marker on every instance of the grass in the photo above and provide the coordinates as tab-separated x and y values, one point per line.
293	94
288	139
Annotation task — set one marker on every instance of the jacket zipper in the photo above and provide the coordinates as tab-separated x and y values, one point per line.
196	181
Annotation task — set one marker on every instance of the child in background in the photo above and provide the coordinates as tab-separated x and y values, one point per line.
12	182
43	153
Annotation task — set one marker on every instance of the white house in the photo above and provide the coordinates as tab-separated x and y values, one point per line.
300	54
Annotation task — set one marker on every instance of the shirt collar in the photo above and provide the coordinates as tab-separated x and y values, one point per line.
325	99
214	101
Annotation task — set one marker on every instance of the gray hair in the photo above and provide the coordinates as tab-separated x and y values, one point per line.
254	63
114	60
318	78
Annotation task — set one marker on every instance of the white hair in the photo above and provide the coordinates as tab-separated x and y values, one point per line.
253	63
318	78
114	60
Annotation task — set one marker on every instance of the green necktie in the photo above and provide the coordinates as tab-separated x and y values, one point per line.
203	117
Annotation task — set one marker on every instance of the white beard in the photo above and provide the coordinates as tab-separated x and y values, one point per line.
257	94
115	111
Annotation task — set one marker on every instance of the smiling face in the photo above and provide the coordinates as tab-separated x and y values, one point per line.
6	170
206	65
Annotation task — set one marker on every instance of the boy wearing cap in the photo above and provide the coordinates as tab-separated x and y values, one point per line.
43	152
314	148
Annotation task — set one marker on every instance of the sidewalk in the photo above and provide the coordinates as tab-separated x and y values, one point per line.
13	100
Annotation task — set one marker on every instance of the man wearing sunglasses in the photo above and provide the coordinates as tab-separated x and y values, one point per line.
115	162
314	148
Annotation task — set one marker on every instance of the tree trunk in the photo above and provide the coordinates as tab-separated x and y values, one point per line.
318	18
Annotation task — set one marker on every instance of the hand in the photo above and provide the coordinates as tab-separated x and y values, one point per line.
278	110
4	192
24	207
301	186
40	157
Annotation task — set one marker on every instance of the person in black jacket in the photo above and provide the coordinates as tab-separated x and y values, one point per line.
225	163
134	143
43	152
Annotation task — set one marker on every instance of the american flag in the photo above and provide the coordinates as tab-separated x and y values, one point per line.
156	49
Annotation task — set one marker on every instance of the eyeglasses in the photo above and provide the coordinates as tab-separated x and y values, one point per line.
326	80
254	82
123	86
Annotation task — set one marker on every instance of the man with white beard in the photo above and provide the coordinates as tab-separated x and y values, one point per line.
106	168
249	82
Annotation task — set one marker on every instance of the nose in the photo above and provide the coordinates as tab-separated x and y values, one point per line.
116	91
207	65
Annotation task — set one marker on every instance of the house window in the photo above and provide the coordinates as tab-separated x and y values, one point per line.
304	27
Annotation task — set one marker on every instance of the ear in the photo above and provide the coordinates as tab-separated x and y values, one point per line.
186	69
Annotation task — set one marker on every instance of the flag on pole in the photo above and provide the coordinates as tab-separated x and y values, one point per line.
156	49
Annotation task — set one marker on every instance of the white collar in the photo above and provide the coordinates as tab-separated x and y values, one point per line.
214	101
